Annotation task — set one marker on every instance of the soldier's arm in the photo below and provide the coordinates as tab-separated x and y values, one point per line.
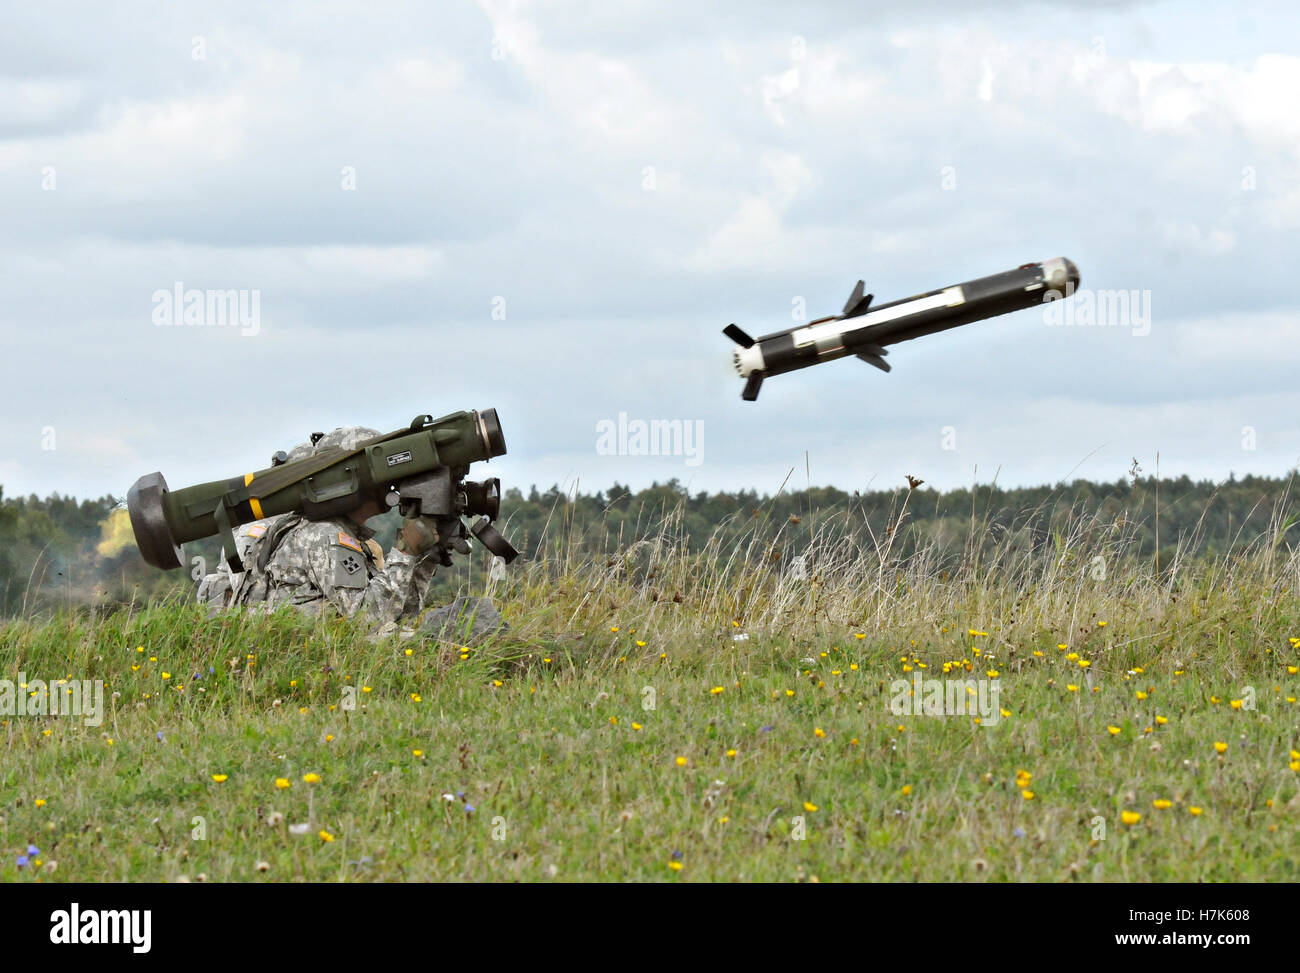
339	571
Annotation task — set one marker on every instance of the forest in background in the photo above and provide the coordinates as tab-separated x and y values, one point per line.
62	551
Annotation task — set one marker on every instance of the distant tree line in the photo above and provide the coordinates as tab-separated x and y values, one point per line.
52	549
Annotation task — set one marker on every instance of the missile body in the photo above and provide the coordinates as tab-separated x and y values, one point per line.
864	331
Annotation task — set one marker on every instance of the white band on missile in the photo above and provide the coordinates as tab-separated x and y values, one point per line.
748	360
1055	273
948	297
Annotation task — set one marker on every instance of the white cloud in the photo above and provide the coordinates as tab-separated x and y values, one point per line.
777	88
1187	235
1240	339
1257	95
37	101
601	96
753	235
744	240
426	76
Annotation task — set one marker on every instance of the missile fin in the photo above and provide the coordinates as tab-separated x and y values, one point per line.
857	304
738	336
854	297
874	360
752	385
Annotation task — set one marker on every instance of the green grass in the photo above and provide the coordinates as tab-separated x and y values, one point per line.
564	786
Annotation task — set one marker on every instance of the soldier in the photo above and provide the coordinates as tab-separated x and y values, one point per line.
333	563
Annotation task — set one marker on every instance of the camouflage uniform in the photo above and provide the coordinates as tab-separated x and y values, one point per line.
320	563
315	564
219	587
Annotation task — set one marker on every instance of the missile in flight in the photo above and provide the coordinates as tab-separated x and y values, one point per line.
866	331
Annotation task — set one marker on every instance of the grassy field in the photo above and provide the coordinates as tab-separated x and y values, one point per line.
654	715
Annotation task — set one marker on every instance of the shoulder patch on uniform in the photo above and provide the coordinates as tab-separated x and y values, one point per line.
257	530
349	567
347	540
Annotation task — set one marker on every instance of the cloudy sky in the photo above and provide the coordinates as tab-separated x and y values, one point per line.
554	208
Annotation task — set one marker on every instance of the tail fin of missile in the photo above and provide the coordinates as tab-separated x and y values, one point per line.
738	336
752	385
857	304
872	358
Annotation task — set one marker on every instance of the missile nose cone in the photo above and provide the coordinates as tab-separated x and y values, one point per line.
1061	275
1071	273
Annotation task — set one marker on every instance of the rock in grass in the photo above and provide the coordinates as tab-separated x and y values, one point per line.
462	620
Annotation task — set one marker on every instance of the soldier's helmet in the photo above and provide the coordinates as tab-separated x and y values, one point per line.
348	437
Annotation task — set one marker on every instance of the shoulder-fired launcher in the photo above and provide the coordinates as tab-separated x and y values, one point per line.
420	469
